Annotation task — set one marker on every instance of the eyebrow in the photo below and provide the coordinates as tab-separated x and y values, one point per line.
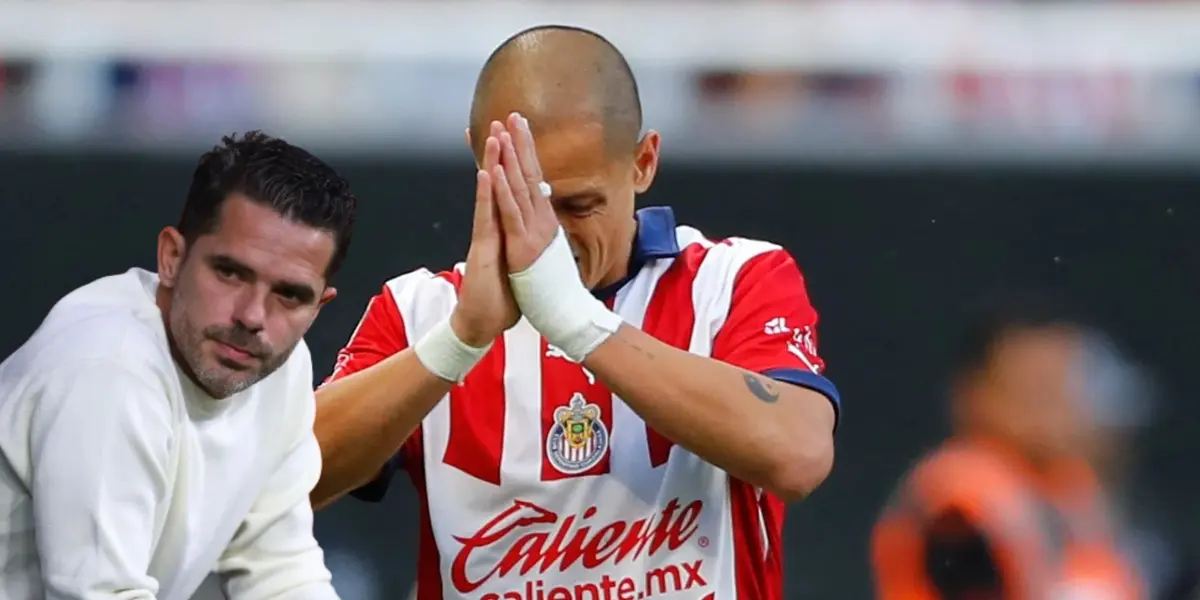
302	292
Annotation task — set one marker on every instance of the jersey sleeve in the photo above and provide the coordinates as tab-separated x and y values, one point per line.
380	334
771	327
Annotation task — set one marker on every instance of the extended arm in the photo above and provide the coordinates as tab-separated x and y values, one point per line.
373	402
759	407
774	435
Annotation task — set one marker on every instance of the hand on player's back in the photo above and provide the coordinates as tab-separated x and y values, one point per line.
485	304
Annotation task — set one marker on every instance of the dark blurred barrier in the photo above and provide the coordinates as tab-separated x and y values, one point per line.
892	257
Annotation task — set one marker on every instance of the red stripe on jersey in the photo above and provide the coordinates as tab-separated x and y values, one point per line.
476	439
561	380
670	317
379	334
429	559
757	535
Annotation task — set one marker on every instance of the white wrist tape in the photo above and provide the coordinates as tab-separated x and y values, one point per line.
445	355
556	303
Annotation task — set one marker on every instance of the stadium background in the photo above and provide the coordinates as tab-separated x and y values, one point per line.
908	185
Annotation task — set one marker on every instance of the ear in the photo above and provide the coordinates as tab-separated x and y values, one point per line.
645	161
172	250
467	137
327	296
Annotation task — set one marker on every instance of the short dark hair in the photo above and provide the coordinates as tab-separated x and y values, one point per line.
1004	314
272	172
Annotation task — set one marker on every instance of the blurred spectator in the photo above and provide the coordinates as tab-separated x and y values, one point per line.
1011	505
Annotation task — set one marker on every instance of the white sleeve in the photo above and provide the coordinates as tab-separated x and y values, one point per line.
274	554
100	443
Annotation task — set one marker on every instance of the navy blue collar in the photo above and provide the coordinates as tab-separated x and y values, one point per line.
655	239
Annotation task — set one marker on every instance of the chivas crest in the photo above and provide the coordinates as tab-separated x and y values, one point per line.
578	439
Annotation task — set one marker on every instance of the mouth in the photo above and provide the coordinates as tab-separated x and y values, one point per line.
235	354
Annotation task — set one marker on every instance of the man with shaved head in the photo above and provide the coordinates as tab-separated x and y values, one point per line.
581	100
598	403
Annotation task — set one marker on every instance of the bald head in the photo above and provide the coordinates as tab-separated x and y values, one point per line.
557	75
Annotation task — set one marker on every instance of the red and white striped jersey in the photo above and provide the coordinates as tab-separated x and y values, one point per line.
538	483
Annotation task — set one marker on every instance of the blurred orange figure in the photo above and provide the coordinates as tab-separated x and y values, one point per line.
1010	506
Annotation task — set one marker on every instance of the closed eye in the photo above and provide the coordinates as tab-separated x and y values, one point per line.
579	205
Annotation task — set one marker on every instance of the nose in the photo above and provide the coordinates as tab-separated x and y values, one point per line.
251	309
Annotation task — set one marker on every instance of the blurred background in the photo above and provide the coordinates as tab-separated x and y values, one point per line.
913	155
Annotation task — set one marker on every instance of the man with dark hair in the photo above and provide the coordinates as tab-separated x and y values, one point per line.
1011	505
599	403
158	426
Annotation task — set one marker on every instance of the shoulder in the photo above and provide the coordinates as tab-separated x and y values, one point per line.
724	270
728	260
421	297
425	285
108	322
78	395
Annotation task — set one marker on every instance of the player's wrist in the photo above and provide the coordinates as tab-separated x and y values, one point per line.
467	334
554	300
443	353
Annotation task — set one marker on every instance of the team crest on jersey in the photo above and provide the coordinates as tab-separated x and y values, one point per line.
578	439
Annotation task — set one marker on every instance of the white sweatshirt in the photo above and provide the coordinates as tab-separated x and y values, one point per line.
120	478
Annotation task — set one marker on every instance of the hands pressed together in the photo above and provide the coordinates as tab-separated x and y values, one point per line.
501	240
519	262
